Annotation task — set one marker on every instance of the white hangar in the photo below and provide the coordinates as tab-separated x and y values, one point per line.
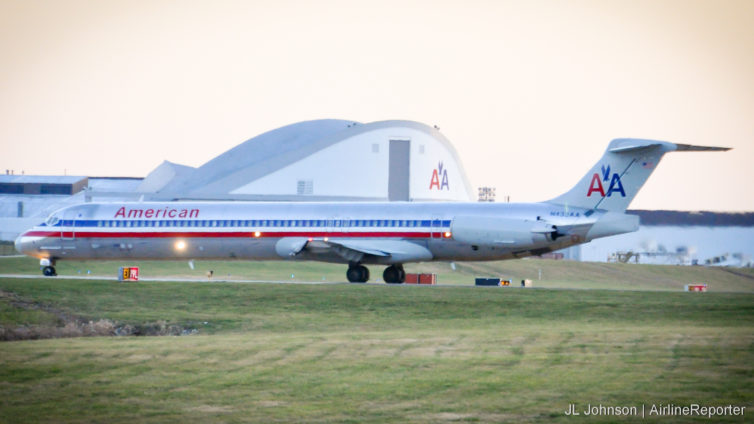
324	160
321	160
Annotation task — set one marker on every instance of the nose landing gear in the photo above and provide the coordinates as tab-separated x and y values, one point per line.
48	267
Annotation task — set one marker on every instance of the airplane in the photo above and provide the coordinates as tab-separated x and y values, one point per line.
358	233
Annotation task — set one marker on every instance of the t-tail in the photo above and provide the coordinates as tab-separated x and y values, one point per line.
624	168
610	186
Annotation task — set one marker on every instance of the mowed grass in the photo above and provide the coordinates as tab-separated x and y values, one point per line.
543	272
374	353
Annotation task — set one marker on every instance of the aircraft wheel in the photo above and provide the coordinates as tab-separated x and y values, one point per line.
49	271
394	274
352	274
364	273
357	274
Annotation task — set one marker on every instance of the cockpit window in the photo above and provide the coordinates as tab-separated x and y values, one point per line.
52	220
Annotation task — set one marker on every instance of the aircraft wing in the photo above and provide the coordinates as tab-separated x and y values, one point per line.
399	250
363	246
354	250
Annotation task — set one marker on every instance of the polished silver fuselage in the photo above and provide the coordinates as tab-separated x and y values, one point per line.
357	233
385	233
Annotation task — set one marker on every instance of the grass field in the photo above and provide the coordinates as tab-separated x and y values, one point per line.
373	353
543	272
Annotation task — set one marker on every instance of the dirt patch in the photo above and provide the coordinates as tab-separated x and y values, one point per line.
72	325
212	409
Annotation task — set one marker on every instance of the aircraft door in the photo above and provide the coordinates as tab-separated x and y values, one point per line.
67	226
436	228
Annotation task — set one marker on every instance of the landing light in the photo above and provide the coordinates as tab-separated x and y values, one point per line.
180	245
257	234
447	234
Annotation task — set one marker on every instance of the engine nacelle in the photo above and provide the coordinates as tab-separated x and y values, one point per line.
502	232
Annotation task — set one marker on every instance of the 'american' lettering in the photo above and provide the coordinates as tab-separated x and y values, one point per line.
156	213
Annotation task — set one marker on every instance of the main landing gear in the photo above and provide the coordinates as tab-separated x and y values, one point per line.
394	274
357	273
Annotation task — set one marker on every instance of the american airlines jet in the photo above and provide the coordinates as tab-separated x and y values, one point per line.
356	234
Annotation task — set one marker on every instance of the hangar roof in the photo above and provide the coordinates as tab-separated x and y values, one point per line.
273	150
40	179
163	175
258	156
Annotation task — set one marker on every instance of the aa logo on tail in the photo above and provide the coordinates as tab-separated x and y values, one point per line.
616	186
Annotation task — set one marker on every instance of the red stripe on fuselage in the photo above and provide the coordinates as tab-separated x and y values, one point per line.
228	234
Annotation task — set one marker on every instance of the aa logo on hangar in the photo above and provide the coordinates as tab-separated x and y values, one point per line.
439	178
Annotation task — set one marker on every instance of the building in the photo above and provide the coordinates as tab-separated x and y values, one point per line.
27	199
42	185
321	160
325	160
678	238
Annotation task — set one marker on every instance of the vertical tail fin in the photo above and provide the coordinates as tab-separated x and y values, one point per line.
613	182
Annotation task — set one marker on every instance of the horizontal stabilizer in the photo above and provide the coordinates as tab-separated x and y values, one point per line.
628	145
622	145
691	148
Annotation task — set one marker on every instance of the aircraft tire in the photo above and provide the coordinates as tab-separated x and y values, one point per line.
357	274
394	274
49	271
364	273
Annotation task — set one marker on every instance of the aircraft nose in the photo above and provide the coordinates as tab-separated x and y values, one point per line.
22	243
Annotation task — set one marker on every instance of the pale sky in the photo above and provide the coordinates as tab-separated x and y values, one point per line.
529	92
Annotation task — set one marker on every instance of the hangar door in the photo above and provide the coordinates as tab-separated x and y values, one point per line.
397	185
